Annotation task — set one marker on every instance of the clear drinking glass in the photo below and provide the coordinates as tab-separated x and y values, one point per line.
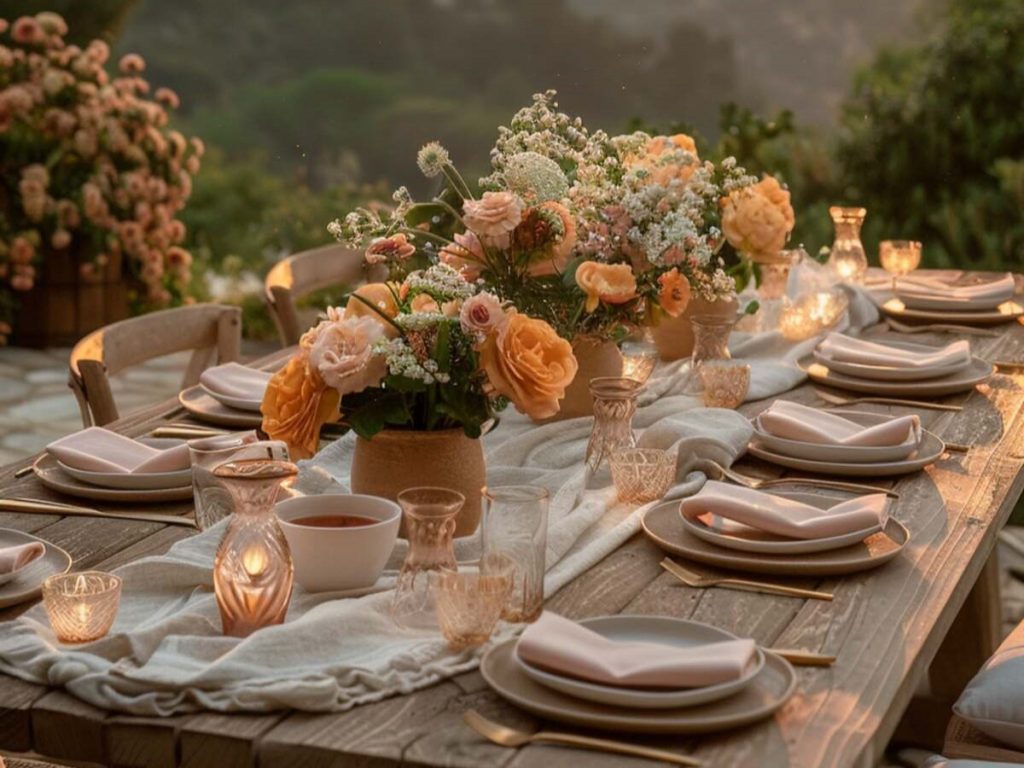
614	407
515	528
848	259
899	258
429	526
469	602
253	569
212	499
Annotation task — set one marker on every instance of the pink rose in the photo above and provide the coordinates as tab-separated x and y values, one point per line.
343	354
482	315
466	254
493	217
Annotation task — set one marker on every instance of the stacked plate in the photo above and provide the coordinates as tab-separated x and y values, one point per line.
228	395
760	689
979	299
26	583
895	368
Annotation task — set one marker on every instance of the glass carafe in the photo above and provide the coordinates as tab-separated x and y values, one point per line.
848	259
710	342
253	570
614	408
429	525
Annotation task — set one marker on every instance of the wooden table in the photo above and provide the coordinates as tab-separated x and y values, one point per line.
886	627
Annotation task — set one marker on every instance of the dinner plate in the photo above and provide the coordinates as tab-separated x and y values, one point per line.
768	691
204	407
50	474
961	381
236	403
647	629
748	539
1004	313
663	525
141	481
928	450
892	373
27	582
859	454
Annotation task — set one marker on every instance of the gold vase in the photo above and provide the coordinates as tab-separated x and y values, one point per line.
397	459
673	336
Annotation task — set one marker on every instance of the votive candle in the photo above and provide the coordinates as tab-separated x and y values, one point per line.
81	606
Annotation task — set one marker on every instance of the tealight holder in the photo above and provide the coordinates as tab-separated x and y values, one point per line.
813	313
81	606
639	356
642	474
469	602
725	383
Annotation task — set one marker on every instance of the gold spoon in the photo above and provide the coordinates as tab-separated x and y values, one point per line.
511	737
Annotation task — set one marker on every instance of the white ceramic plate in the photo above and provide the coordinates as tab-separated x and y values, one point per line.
665	631
145	481
27	583
749	539
930	449
961	381
49	473
892	373
200	404
851	454
237	403
1004	313
768	691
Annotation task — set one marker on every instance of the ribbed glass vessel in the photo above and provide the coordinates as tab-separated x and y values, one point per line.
253	570
614	408
848	259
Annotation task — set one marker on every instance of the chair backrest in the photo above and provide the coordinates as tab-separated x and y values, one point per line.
301	274
213	331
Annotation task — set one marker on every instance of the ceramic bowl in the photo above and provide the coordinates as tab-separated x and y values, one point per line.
335	559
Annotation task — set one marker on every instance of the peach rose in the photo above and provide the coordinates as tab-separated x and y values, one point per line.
382	299
482	315
466	254
423	302
674	292
296	404
343	355
757	220
664	172
610	283
493	217
527	362
394	248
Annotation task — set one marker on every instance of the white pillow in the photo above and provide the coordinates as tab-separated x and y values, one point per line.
993	702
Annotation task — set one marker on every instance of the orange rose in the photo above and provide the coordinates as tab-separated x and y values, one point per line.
381	296
527	362
674	295
610	283
296	404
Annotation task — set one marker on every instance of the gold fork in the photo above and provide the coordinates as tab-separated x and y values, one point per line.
697	581
833	399
755	483
512	737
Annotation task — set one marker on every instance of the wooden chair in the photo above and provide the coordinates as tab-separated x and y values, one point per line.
214	331
300	275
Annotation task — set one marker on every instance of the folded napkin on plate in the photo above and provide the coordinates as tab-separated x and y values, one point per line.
559	645
17	557
236	381
992	291
782	516
99	450
847	349
792	421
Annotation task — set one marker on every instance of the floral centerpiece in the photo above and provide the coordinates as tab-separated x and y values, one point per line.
592	234
430	359
90	167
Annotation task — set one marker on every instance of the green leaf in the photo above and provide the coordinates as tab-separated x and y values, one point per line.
442	348
388	410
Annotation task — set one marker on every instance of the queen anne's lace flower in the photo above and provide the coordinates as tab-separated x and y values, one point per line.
535	178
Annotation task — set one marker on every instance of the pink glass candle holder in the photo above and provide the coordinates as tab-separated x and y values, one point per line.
642	474
81	606
725	383
469	603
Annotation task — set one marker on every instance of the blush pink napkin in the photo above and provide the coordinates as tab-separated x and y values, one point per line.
793	421
564	647
992	292
847	349
236	381
720	506
99	450
15	558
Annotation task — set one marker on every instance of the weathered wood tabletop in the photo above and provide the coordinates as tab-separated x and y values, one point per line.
886	627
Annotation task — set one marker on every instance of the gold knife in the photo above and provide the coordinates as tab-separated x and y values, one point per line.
40	507
804	658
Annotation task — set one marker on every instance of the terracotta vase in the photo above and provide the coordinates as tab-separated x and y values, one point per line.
595	357
673	336
396	459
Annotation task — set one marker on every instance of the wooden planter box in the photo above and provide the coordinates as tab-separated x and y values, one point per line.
64	306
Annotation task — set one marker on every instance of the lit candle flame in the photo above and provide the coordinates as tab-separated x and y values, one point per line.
255	560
